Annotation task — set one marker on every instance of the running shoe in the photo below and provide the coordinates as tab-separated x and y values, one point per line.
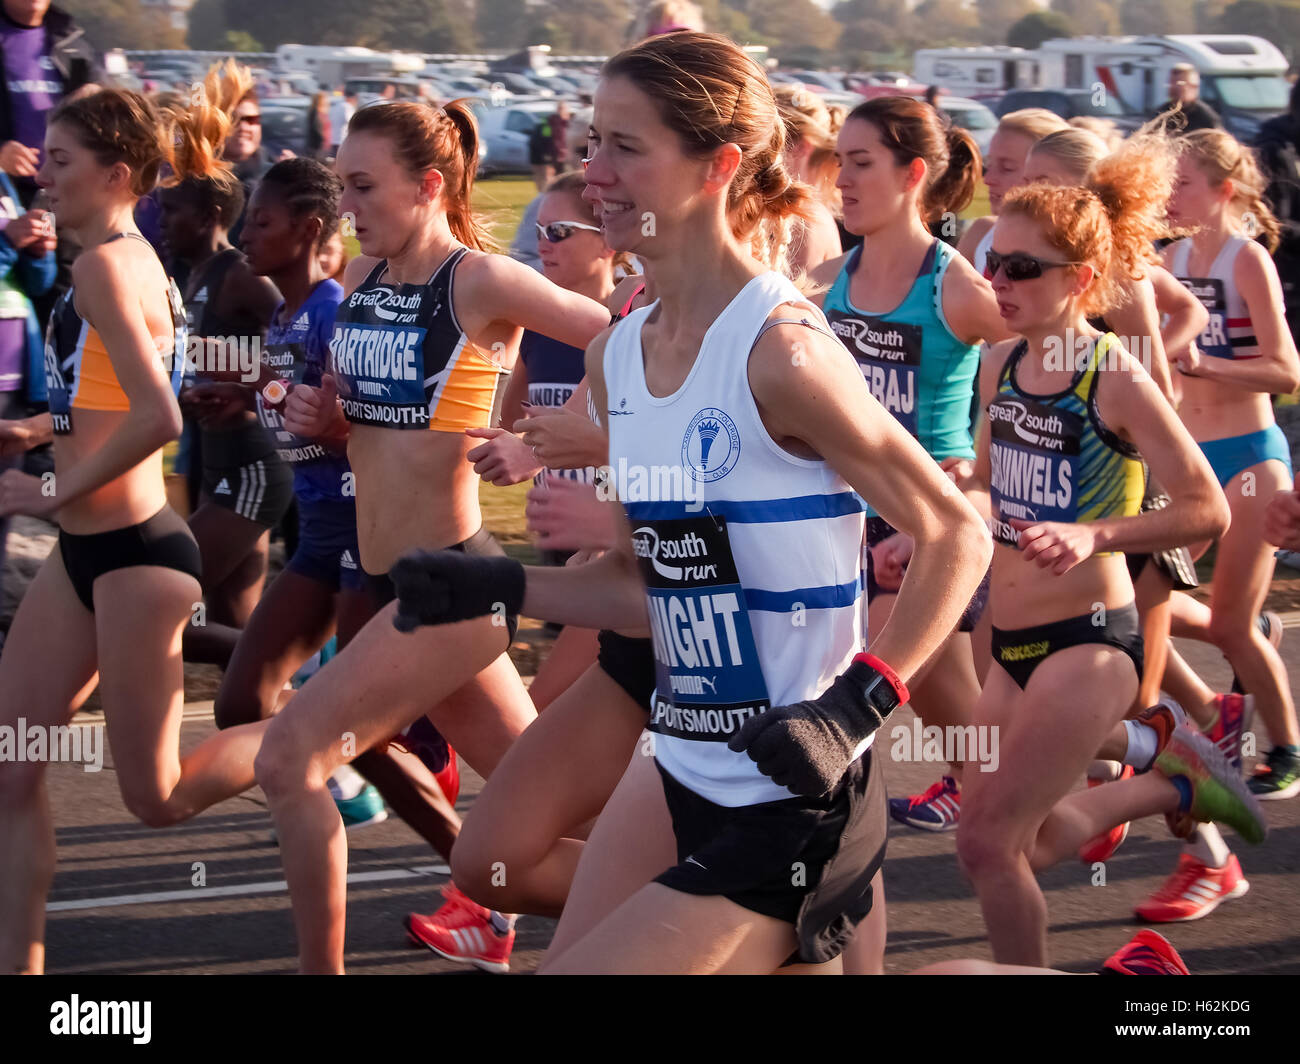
1235	713
462	931
1217	790
1146	953
1278	777
423	740
1163	718
449	778
363	810
938	809
1103	846
1193	890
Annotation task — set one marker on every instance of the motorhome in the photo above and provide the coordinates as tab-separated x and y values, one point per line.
333	66
977	72
1242	78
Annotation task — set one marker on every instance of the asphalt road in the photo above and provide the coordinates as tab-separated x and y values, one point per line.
125	900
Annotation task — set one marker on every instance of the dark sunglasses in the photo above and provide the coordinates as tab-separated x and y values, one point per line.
1019	266
248	120
557	231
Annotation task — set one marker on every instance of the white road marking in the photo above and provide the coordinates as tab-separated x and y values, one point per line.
234	891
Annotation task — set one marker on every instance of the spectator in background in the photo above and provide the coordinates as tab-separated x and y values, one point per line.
560	137
319	138
667	16
342	107
1278	145
932	95
244	148
1186	112
541	152
27	270
45	56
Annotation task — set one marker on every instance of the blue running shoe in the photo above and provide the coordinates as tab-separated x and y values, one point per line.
938	809
365	809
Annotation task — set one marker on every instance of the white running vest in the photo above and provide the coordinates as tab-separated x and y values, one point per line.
980	257
750	554
1229	333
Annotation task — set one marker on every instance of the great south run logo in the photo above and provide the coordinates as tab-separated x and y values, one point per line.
388	304
1038	430
690	550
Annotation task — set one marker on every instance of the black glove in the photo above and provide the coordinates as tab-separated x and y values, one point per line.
439	587
808	746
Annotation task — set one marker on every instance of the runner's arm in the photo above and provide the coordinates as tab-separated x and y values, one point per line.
1131	404
822	400
970	305
518	294
1138	318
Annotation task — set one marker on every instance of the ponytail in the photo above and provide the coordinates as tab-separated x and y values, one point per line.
764	213
466	226
954	188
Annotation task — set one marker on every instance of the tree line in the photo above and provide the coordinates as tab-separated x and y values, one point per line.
856	34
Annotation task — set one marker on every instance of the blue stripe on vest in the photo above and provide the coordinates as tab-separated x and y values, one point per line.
756	511
811	598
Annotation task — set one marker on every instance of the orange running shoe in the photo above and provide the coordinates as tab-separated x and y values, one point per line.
1193	890
1147	953
462	931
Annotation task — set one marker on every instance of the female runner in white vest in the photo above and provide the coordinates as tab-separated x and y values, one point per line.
755	828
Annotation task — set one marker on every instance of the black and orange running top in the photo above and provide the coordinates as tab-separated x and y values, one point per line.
78	371
402	361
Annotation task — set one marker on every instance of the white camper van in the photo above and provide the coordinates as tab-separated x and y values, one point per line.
977	72
333	66
1242	78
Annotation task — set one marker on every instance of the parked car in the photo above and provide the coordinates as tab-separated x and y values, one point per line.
972	116
284	124
505	131
520	85
1070	103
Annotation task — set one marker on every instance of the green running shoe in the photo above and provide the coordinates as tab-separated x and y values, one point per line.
1218	792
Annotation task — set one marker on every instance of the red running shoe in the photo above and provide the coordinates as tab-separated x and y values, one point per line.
1193	890
1232	722
449	778
462	931
1103	846
1147	953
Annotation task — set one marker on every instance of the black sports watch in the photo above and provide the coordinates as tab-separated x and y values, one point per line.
881	687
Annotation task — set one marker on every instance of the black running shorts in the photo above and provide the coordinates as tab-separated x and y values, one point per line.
807	861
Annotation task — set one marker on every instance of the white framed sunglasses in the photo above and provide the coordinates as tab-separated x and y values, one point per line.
557	231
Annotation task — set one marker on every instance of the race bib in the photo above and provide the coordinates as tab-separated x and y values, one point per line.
1034	458
1214	340
708	677
380	373
890	356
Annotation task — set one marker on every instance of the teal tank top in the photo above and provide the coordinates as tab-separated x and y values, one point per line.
916	368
